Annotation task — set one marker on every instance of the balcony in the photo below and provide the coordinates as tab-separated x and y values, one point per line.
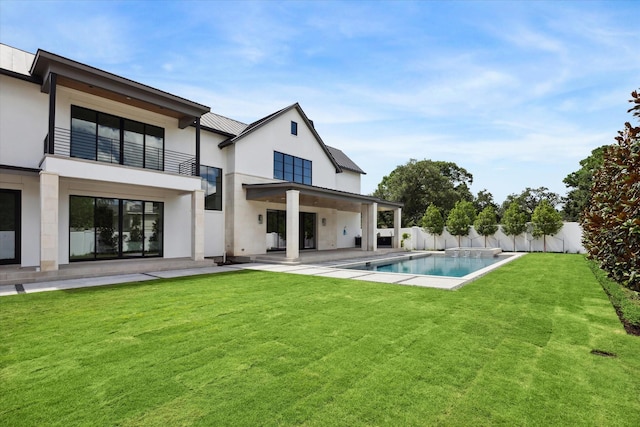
109	150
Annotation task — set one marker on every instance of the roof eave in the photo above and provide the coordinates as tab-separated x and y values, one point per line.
45	64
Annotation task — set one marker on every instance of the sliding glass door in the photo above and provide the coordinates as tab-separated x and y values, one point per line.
277	230
101	228
10	226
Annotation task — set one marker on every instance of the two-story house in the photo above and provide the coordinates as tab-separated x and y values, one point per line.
94	166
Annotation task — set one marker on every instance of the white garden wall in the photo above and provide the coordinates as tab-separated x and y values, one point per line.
568	239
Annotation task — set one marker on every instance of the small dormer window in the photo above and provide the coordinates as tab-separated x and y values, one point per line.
294	128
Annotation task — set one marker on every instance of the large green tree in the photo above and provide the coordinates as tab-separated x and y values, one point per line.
612	219
432	222
546	221
419	183
460	219
580	183
483	200
486	223
530	198
514	222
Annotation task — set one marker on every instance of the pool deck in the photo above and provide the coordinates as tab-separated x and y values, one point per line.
321	269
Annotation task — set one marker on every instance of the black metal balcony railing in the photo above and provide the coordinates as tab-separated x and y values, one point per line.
109	150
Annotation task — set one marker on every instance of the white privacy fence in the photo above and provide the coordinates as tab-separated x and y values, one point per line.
568	239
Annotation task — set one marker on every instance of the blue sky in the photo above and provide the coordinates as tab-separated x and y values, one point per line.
515	92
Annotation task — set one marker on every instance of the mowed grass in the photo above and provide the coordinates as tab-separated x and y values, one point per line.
259	348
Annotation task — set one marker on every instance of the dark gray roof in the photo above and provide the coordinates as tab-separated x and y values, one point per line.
344	161
222	124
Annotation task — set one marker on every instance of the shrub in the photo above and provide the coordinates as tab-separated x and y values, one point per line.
611	221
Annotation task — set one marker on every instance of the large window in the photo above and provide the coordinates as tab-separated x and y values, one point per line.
212	186
112	139
101	228
10	226
291	168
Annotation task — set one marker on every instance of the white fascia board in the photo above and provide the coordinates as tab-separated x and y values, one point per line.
96	171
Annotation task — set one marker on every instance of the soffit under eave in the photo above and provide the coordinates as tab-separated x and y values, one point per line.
319	198
121	90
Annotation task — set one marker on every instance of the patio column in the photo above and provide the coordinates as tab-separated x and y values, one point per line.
369	227
293	225
397	214
364	220
49	190
197	225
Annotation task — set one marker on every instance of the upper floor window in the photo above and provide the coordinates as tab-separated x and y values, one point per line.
212	186
291	168
107	138
294	128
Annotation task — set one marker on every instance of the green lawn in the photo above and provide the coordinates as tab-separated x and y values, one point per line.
259	348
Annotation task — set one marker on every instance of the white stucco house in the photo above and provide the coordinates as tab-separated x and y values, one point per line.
94	166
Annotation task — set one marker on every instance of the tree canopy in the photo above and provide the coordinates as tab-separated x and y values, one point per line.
580	183
514	222
419	183
546	220
460	219
530	198
611	221
486	223
432	222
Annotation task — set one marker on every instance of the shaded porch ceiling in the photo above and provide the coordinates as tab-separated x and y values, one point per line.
276	192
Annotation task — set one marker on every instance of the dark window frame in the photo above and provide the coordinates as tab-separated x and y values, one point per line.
119	253
211	203
120	146
294	128
291	168
17	225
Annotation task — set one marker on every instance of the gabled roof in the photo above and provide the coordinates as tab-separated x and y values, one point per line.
344	163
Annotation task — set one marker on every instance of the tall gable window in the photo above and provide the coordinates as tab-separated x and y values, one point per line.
294	128
112	139
291	168
212	186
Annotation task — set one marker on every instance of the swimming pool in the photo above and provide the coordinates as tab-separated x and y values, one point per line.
432	265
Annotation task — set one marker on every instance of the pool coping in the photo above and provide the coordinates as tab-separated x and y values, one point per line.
337	271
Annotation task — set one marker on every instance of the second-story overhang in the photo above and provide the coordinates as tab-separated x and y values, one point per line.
89	170
100	83
315	196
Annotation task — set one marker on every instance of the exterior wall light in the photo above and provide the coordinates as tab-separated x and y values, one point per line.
260	218
324	222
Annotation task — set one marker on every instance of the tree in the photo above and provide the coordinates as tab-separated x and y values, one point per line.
546	220
432	222
458	220
530	198
486	224
484	199
580	182
611	221
514	222
417	184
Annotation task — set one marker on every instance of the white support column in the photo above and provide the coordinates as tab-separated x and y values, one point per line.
369	227
49	191
373	227
197	225
293	225
364	220
396	227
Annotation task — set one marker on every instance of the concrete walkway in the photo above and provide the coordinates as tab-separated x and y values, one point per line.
440	282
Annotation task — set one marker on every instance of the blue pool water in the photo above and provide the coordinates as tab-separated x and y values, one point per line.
433	265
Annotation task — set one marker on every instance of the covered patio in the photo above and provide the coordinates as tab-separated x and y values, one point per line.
294	195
